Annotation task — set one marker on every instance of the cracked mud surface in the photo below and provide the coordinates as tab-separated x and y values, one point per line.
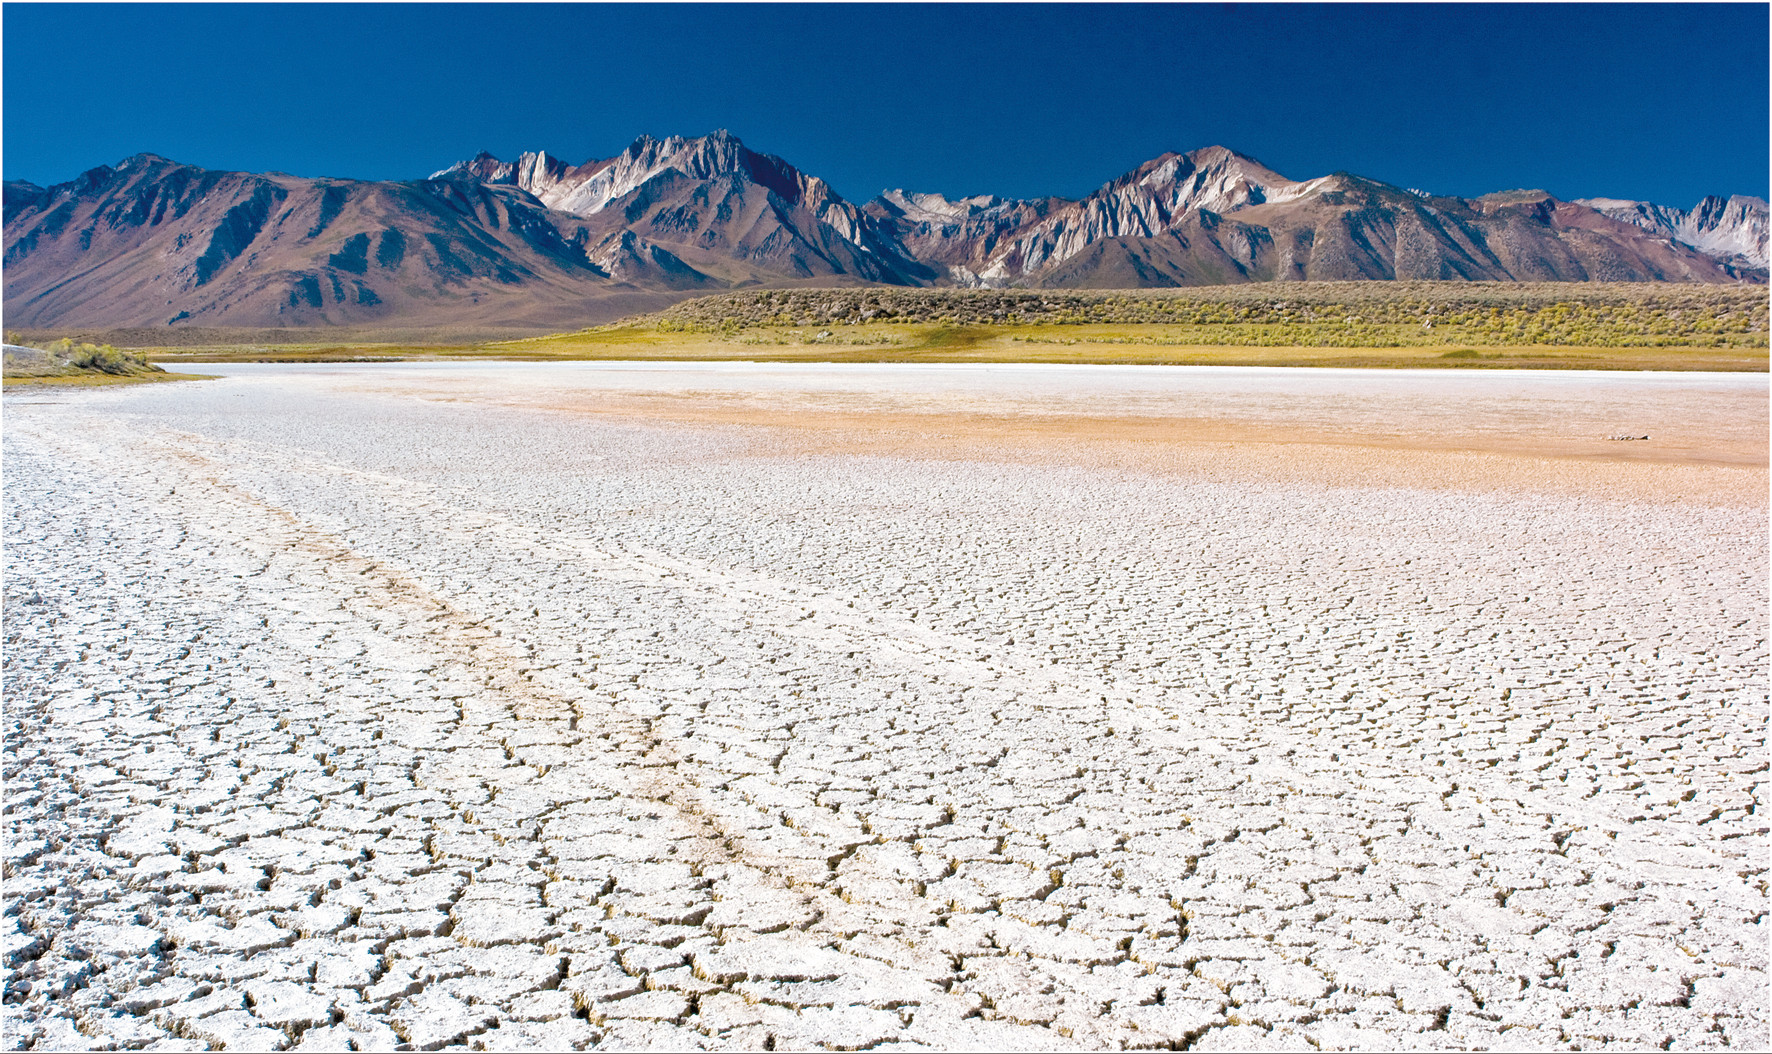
524	707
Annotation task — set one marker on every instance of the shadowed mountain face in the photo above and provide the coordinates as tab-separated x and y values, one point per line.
538	243
153	242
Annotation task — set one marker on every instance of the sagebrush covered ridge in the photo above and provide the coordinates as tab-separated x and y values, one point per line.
1352	314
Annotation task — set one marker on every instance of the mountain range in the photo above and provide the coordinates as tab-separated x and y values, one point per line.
539	243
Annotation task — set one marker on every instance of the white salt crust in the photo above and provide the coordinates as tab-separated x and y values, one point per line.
338	718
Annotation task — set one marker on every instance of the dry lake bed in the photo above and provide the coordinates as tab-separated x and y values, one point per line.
522	706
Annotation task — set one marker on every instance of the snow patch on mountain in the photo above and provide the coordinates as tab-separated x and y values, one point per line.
1720	228
935	208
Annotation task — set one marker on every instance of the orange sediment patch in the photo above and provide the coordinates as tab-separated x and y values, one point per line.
1719	459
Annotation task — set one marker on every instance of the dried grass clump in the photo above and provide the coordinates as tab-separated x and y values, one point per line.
65	356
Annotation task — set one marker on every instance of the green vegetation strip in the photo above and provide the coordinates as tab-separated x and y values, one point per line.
1376	324
66	363
98	380
1328	314
1003	344
1372	324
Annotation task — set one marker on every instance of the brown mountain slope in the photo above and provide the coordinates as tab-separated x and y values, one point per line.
152	242
1734	229
1214	215
744	216
540	244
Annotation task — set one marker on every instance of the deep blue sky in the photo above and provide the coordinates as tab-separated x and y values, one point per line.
1657	102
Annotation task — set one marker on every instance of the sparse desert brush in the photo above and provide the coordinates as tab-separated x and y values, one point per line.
1330	314
101	357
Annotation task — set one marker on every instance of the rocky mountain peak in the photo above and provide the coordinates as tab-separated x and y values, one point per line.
587	189
712	156
145	160
938	208
152	240
1216	179
1734	228
21	194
